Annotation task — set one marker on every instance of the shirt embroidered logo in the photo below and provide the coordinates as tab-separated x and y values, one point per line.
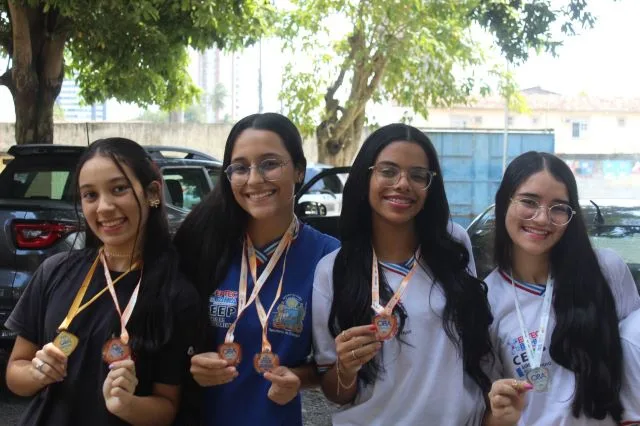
290	315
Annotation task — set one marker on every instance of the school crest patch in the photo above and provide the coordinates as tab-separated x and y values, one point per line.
289	316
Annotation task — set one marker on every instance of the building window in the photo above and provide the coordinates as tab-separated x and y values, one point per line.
460	121
578	129
510	121
478	120
535	121
622	122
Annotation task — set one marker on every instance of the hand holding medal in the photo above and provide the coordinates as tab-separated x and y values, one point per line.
285	385
49	365
209	369
506	399
119	386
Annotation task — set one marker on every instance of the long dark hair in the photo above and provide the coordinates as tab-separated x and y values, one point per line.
466	316
152	321
585	339
213	231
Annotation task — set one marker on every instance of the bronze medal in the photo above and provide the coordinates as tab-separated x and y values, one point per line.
386	326
114	350
66	342
265	361
230	352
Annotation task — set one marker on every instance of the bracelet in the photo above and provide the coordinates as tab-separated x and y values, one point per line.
340	383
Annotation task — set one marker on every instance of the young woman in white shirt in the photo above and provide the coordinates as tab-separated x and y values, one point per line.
417	361
556	302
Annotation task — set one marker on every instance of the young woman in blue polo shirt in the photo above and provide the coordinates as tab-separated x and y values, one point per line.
253	262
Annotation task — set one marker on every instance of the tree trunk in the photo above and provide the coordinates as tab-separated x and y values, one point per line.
36	74
341	150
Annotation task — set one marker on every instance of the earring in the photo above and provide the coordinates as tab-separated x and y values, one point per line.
154	203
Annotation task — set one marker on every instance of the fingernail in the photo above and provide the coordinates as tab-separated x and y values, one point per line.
110	366
527	386
372	327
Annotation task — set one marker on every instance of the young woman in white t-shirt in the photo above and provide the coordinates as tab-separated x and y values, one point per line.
630	393
556	302
395	220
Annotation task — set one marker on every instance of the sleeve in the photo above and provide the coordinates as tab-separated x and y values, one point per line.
621	282
460	235
324	347
631	374
494	368
27	318
171	364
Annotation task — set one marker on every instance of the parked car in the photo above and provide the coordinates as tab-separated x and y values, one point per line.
326	190
611	224
38	216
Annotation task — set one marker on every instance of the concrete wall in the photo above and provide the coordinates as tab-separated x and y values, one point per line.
209	138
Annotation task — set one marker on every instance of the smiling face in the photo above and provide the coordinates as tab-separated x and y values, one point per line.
398	204
259	197
537	236
109	203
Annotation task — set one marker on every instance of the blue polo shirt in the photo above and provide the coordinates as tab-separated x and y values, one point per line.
244	401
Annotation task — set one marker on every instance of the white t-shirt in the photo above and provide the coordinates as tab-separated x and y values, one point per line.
424	381
554	406
630	394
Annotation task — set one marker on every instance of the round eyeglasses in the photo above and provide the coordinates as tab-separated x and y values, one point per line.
270	169
389	175
528	209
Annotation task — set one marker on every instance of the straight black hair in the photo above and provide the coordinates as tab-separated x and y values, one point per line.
585	339
466	316
152	321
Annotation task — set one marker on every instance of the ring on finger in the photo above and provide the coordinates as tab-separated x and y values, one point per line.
353	354
39	364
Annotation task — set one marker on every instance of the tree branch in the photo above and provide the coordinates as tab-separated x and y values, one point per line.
5	41
5	79
22	54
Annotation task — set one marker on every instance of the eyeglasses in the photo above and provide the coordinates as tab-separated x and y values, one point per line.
270	170
528	209
389	175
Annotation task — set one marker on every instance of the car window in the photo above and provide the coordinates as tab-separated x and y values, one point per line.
185	186
37	184
214	175
331	183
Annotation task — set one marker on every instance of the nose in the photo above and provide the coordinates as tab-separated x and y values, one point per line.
105	204
254	176
403	181
542	217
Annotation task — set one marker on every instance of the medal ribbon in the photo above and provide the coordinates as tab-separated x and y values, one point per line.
375	286
75	308
247	248
535	354
128	310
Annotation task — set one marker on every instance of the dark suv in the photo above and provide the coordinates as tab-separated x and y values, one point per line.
38	216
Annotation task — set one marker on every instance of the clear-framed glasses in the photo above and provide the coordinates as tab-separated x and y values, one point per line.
270	169
528	209
389	175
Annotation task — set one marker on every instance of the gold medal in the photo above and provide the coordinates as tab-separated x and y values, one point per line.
265	361
114	350
230	352
386	326
66	342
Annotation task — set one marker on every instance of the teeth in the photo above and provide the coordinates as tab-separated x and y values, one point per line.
536	231
112	222
400	200
261	195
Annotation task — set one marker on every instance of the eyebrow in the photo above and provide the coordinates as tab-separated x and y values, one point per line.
391	163
537	197
112	180
261	157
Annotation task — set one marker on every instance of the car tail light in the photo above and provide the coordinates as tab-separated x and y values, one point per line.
40	235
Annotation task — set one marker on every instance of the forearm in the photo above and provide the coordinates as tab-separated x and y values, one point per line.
149	411
308	375
348	386
20	380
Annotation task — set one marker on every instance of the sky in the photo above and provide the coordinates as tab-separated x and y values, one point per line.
601	61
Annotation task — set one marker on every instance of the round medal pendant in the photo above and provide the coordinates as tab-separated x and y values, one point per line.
114	350
539	379
230	352
265	361
66	342
386	326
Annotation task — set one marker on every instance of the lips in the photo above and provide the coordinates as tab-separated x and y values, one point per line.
259	196
112	223
536	233
399	201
